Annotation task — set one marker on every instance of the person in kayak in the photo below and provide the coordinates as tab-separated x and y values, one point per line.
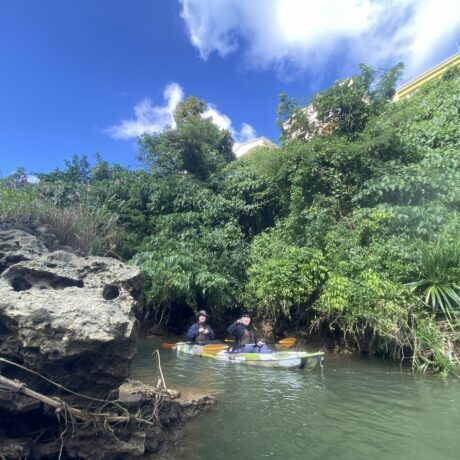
245	336
201	332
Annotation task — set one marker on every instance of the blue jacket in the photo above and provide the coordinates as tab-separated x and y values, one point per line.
193	331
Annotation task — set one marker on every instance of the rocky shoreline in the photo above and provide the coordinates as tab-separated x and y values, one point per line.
150	420
69	327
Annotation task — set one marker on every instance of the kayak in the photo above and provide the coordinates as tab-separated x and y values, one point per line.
285	359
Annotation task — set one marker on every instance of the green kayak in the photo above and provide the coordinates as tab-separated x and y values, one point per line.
285	359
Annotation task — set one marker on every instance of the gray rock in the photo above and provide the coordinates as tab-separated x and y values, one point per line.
17	246
69	318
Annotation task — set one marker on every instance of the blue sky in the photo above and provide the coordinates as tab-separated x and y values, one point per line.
86	76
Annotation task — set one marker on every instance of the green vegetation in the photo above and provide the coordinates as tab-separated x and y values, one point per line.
349	228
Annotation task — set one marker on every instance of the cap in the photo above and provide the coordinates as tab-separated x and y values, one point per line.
202	312
246	313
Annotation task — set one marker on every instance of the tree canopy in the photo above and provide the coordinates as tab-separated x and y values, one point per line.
195	145
349	228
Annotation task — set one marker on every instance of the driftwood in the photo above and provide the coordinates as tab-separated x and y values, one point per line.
60	405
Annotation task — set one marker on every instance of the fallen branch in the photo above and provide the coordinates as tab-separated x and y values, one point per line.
60	405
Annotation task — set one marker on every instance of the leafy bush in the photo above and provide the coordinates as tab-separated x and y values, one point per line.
439	276
371	310
282	276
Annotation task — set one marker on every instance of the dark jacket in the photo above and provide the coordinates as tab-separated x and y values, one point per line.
238	331
193	331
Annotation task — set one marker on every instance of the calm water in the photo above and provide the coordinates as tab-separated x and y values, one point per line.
354	408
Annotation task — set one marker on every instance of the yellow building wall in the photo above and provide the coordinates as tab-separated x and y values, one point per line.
407	89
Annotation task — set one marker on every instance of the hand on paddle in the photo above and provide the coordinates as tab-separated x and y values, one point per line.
203	330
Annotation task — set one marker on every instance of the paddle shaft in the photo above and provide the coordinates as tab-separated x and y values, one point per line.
216	347
288	342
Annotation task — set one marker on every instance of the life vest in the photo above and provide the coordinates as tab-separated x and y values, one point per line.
202	337
248	337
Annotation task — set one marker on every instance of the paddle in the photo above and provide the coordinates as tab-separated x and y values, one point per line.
210	348
168	345
214	348
283	342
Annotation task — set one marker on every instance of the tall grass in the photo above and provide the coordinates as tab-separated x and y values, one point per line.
19	205
435	348
86	228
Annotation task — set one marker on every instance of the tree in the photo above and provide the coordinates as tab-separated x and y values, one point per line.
18	179
349	103
189	111
252	196
194	146
343	109
77	172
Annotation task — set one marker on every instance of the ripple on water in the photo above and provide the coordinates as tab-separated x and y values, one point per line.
355	409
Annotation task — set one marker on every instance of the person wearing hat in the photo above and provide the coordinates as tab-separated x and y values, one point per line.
245	336
201	332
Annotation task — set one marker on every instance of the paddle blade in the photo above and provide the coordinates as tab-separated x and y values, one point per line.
214	348
168	345
286	343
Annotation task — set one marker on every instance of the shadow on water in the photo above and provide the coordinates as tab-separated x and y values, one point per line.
355	408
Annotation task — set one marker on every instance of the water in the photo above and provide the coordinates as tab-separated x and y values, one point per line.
355	408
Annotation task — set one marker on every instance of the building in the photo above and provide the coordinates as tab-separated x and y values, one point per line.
436	71
250	146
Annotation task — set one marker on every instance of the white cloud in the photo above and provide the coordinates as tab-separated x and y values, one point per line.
152	119
149	119
434	24
246	132
219	119
296	35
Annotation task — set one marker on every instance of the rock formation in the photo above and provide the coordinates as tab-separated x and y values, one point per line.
70	318
74	321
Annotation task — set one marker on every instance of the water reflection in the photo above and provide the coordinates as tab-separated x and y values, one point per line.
354	409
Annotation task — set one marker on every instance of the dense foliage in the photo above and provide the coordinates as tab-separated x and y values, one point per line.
349	228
